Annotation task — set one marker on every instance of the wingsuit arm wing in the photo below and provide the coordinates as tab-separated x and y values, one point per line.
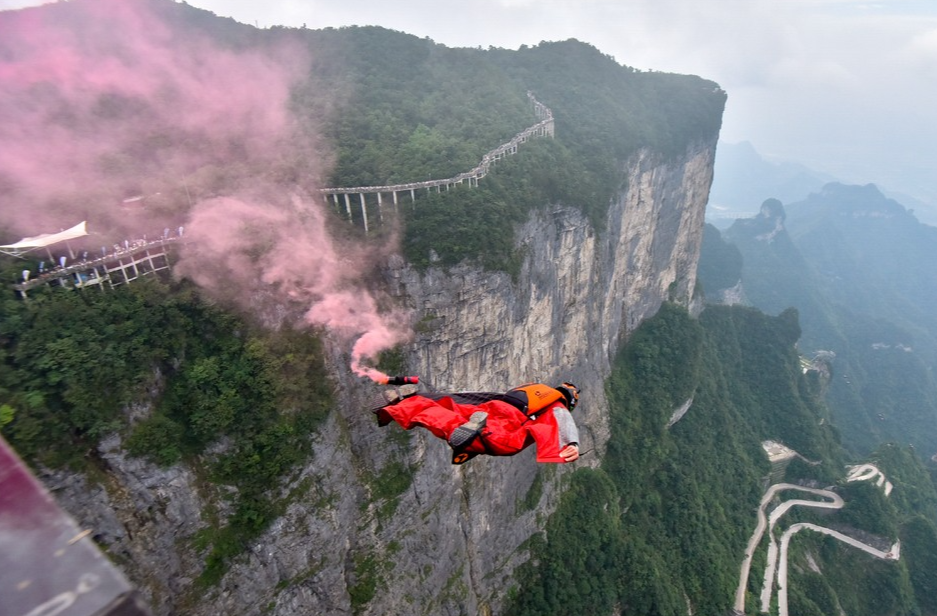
552	431
568	431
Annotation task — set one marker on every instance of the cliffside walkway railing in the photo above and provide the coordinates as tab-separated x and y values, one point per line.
125	264
120	265
344	196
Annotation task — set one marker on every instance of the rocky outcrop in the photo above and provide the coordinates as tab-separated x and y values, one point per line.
448	539
733	296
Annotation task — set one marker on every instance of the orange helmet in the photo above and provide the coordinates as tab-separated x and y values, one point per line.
570	394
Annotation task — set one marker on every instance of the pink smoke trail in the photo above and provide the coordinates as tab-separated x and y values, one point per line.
104	99
236	243
355	312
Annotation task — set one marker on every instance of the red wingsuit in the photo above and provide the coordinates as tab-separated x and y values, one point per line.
507	431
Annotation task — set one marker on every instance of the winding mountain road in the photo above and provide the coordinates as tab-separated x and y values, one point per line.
777	556
867	472
764	522
892	554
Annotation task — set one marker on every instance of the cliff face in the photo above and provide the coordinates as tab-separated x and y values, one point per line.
380	522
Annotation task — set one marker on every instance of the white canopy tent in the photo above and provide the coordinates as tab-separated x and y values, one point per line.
45	240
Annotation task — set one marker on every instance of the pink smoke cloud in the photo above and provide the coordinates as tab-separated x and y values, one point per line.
105	99
355	312
233	244
97	95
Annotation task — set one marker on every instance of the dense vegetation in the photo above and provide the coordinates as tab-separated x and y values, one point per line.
412	110
171	374
851	262
855	266
665	519
720	263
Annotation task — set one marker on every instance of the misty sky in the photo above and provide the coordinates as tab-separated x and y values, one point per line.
847	87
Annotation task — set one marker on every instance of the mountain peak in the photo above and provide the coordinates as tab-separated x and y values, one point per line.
856	201
772	209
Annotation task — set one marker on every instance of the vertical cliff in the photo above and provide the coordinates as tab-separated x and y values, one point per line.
379	521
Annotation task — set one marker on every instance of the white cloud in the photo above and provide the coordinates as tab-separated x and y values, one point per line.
921	55
6	5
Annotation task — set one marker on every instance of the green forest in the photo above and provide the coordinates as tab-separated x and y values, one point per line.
422	111
76	364
392	108
850	261
855	265
664	518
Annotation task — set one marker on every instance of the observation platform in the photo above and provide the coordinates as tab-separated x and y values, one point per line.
122	266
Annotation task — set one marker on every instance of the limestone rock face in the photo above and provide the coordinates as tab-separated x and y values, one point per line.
449	542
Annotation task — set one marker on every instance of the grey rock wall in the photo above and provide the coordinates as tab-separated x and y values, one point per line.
448	544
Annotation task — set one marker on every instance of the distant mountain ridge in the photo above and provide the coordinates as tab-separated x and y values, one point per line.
858	268
743	179
873	253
